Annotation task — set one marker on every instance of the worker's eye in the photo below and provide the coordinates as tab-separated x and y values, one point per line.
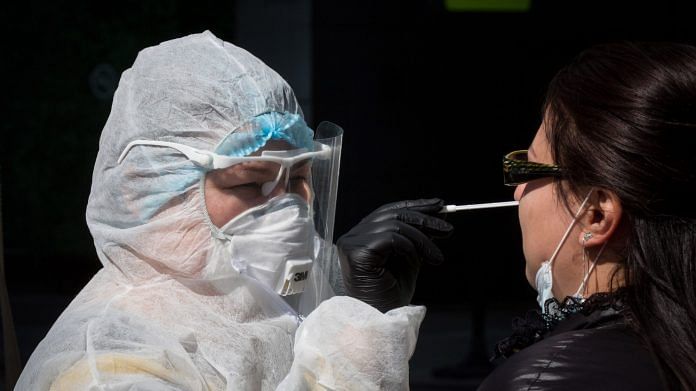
246	186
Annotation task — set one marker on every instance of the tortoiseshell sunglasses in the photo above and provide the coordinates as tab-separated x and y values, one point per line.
517	169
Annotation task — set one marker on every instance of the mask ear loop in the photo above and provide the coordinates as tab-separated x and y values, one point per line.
570	227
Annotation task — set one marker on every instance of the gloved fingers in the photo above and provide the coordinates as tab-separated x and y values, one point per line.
403	248
424	245
377	246
425	248
426	205
430	225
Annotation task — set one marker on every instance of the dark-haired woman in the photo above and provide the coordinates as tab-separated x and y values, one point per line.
607	194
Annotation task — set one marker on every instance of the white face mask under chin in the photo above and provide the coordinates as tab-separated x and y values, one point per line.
544	276
274	243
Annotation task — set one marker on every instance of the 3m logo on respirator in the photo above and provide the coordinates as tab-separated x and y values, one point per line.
301	276
295	277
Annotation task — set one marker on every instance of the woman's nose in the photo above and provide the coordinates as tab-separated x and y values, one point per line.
519	190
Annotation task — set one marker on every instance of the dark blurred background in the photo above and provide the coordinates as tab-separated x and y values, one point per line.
431	95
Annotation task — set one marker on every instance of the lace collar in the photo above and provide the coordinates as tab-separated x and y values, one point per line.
535	325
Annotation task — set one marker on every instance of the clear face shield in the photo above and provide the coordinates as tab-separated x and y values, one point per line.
275	154
325	180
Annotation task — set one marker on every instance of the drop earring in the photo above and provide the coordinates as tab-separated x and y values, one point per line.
588	271
585	264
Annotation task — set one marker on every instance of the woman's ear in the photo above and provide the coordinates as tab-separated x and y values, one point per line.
602	218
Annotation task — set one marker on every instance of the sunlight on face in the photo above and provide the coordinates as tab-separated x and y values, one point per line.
543	220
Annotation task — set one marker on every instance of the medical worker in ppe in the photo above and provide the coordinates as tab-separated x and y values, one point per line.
212	211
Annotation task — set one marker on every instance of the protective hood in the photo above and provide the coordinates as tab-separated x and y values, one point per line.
147	214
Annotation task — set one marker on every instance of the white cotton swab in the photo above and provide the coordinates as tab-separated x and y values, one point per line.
457	208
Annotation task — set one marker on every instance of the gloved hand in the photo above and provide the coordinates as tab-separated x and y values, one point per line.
381	256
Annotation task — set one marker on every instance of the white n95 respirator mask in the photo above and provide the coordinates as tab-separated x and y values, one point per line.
273	243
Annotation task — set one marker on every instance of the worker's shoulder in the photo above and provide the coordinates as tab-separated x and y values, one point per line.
604	358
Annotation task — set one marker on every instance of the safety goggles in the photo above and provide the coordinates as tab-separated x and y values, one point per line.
277	162
518	170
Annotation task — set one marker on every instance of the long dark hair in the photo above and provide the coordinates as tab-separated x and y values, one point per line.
622	117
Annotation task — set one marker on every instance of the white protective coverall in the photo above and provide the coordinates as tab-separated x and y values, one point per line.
167	311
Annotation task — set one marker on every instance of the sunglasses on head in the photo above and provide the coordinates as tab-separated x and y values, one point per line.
518	170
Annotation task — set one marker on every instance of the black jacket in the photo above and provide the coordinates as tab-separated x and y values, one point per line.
586	351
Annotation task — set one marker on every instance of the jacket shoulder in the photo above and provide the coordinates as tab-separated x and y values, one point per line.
605	358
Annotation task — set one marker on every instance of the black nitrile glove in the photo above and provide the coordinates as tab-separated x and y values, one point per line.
380	257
